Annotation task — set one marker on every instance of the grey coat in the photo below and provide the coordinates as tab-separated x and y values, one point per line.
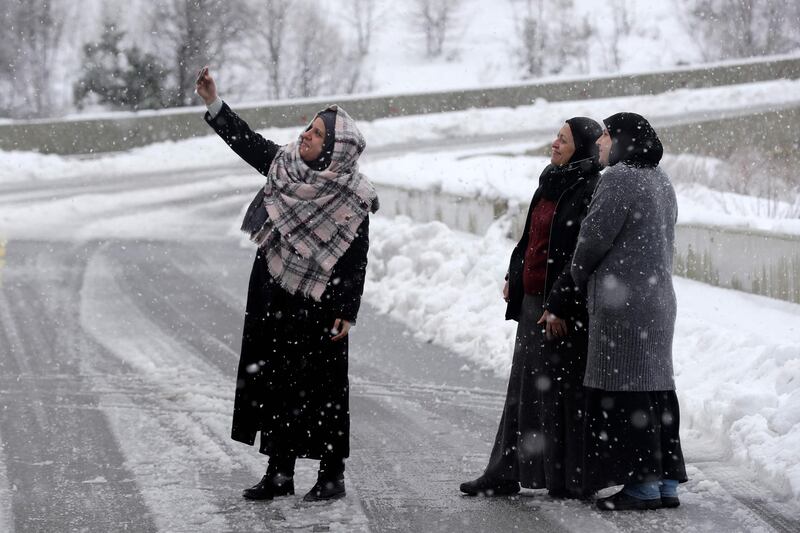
623	263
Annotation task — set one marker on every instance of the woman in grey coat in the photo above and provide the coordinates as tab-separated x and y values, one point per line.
623	263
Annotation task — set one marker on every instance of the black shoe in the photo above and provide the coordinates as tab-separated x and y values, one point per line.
622	502
670	502
487	487
325	489
269	487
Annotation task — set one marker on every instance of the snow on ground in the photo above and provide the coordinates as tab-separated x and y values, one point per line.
482	49
737	371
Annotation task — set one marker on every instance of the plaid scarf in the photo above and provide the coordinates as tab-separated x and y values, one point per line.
304	219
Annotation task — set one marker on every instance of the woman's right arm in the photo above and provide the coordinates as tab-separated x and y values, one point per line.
607	214
250	146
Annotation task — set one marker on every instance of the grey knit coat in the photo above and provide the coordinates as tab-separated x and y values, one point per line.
623	263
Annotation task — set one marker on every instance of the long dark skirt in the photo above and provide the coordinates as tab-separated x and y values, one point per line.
632	437
292	384
540	439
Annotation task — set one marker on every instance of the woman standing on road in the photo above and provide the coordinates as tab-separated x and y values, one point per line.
311	223
539	443
623	263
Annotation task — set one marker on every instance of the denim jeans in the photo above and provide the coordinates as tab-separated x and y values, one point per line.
653	489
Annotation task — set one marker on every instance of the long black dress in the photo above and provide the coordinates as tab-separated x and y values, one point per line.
632	437
292	383
540	439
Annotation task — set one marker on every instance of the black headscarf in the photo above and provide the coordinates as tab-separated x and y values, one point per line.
634	141
586	159
324	159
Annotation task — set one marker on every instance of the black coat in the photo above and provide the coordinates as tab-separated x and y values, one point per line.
292	383
561	296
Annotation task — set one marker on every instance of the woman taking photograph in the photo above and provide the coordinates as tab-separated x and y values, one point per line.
310	222
623	263
540	441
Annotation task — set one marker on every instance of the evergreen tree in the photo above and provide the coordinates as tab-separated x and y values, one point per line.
122	78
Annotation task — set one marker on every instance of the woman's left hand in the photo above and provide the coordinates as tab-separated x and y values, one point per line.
554	327
340	329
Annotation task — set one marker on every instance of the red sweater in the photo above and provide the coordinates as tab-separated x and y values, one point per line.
535	265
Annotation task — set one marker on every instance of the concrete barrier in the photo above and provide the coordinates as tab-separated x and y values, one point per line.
747	260
124	130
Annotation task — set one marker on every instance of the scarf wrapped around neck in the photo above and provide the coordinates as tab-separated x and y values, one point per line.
306	219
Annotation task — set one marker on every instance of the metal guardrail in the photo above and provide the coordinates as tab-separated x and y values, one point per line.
122	131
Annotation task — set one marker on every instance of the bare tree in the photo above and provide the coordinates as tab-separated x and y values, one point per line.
313	72
548	26
195	32
269	31
435	19
532	43
574	52
622	17
363	18
31	43
743	28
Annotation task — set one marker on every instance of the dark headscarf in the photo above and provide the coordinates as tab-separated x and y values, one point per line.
634	141
329	119
585	133
586	159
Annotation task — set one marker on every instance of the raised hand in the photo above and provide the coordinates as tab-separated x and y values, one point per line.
205	87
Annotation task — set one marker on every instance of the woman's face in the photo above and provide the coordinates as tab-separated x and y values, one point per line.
563	147
312	141
604	143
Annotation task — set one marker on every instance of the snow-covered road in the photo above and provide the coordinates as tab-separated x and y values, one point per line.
117	379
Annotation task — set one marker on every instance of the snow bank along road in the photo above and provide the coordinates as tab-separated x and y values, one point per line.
120	317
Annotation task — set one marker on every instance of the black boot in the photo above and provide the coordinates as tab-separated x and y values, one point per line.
326	489
278	481
484	486
670	502
270	487
330	481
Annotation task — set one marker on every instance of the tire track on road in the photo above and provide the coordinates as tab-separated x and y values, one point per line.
63	463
